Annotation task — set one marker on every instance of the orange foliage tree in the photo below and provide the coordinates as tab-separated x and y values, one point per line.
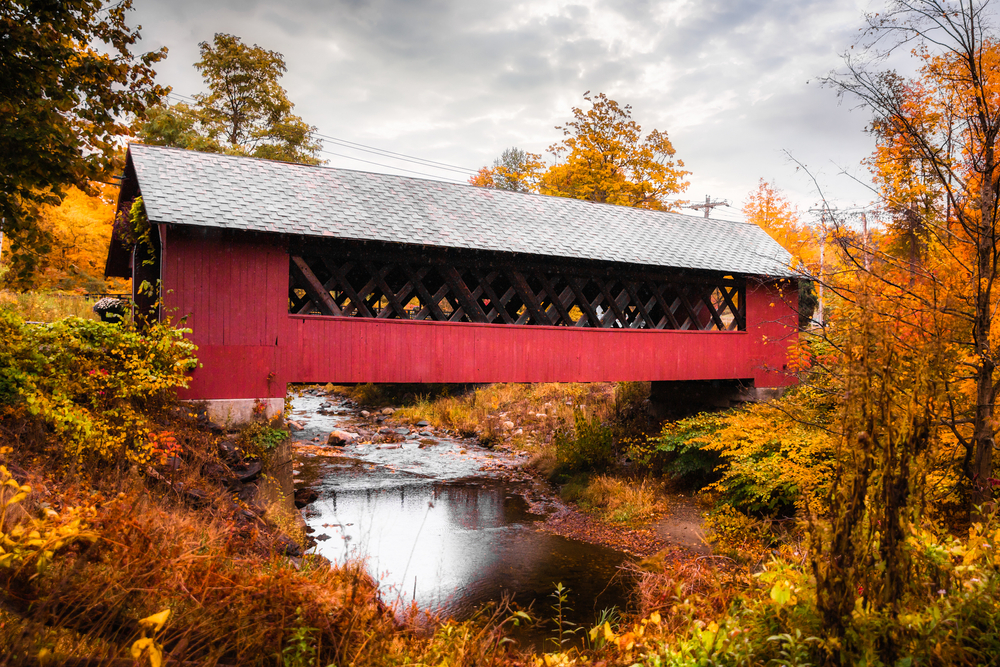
769	209
78	232
604	158
937	168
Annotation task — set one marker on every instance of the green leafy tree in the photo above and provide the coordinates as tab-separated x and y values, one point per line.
515	169
70	85
245	112
605	158
177	125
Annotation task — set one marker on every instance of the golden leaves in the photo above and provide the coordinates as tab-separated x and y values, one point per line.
28	541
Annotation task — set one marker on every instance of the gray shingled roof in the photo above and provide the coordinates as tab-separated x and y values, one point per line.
205	189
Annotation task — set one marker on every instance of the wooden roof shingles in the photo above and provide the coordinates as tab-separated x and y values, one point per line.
210	190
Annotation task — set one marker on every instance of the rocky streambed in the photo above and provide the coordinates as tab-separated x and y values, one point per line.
439	520
445	523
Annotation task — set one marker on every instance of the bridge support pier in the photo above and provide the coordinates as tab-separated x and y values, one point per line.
232	412
683	398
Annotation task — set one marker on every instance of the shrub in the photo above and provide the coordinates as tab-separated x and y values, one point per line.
258	439
93	386
763	460
614	499
589	447
678	450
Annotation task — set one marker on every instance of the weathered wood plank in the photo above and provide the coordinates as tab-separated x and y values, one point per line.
555	299
429	305
615	309
357	303
706	298
534	309
464	295
314	288
486	283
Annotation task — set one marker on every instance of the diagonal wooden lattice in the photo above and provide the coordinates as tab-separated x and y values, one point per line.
445	291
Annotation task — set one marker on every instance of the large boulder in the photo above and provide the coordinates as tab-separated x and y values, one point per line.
341	438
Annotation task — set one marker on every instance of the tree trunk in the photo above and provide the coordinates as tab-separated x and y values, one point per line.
981	471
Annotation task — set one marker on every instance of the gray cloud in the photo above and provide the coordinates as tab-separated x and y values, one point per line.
459	81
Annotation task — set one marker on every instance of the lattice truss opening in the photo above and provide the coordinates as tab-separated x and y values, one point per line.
560	296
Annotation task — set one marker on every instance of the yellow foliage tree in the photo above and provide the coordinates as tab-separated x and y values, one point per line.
515	170
79	230
604	158
769	209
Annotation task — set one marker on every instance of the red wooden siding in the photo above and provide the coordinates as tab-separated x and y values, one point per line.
234	294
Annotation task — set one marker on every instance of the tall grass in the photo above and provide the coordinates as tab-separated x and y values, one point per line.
47	306
528	416
627	501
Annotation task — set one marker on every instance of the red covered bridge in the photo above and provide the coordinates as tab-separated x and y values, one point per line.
293	273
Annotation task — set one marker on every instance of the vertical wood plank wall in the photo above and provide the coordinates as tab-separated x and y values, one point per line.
233	295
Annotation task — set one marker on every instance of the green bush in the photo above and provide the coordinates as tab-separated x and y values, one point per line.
258	439
93	386
678	451
590	447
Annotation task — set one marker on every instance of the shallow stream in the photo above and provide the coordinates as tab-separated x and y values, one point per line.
443	522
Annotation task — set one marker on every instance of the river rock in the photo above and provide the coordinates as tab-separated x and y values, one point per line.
508	425
388	411
295	426
427	434
403	431
422	424
304	497
366	414
228	450
341	438
249	472
326	404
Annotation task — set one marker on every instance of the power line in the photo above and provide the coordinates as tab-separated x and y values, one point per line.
354	145
388	166
399	156
709	205
377	151
181	97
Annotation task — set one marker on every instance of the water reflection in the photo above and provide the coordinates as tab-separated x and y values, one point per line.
452	547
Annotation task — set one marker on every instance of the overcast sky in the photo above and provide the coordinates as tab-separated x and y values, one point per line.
732	82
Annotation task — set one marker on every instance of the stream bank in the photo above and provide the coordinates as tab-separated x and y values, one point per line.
446	524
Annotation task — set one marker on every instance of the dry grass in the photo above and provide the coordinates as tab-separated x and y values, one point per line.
217	565
524	416
686	590
47	306
631	502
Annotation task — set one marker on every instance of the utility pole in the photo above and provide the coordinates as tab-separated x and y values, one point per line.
822	252
709	204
